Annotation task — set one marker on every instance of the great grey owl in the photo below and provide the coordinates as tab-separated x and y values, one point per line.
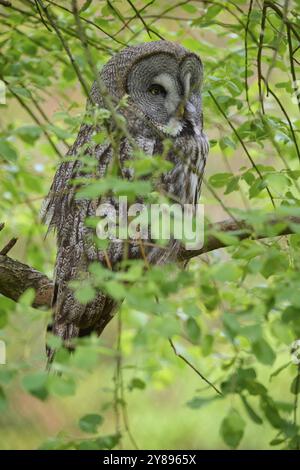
163	83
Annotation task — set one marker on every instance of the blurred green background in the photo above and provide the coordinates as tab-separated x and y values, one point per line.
235	310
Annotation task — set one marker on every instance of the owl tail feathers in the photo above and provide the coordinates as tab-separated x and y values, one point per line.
67	332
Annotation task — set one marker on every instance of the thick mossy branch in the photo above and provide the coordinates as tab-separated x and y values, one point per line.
16	277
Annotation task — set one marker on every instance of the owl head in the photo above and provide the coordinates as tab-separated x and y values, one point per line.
163	81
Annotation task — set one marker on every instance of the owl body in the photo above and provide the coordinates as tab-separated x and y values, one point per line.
163	82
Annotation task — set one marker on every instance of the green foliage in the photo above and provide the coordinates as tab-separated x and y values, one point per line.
232	429
233	313
90	423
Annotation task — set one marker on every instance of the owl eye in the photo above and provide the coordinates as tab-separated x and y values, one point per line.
156	89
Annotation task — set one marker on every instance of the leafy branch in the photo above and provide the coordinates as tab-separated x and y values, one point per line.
16	277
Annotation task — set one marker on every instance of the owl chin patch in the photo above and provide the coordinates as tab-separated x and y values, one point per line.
173	128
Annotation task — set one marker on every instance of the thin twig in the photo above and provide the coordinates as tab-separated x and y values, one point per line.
66	48
140	18
242	144
278	39
33	40
246	53
44	115
297	390
41	16
259	55
216	196
118	15
128	20
287	118
8	246
293	72
121	387
291	25
90	22
116	377
34	117
34	19
194	368
119	123
148	29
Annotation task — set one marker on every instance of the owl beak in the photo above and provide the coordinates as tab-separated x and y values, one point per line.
186	111
180	110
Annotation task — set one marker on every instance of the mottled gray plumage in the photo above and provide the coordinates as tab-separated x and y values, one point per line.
171	109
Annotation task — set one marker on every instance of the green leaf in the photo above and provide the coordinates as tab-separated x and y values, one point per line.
189	8
86	5
193	330
36	384
218	180
212	12
233	185
21	91
85	357
116	289
252	414
252	332
88	444
3	401
27	298
53	341
232	429
229	272
295	386
231	323
85	294
100	137
117	185
3	319
136	383
59	132
108	442
226	238
7	151
29	134
274	263
278	441
263	352
206	344
227	142
199	402
61	385
90	423
271	412
6	375
280	369
257	187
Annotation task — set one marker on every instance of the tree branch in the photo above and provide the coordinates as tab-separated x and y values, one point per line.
16	277
4	3
241	230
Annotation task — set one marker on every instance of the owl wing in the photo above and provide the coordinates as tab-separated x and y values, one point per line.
203	150
75	250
